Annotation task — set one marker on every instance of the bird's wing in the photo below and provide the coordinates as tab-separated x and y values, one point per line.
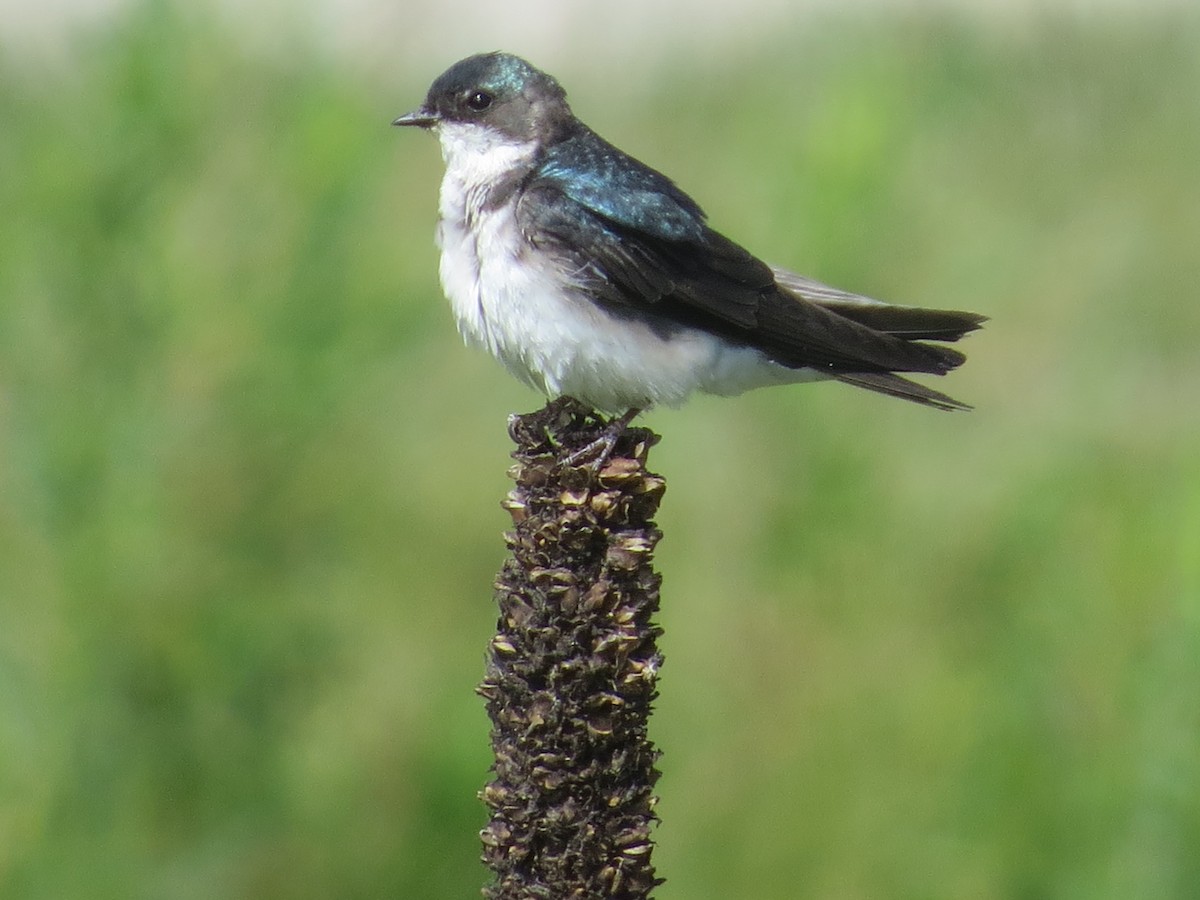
637	243
647	241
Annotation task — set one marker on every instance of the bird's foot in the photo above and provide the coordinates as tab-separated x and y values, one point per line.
597	453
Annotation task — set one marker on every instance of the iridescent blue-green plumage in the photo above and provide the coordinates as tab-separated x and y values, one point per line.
603	180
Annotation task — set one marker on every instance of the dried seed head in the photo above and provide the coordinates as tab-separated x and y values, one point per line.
595	597
576	497
606	504
494	794
621	471
571	673
495	834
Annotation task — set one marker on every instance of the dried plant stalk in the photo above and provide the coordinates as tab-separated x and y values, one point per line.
571	672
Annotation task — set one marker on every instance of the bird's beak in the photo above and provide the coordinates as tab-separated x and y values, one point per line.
422	118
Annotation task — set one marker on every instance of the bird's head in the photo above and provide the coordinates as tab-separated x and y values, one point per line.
495	92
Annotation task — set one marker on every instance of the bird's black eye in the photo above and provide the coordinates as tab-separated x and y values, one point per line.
479	100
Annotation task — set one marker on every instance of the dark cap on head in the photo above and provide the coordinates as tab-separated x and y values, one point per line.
496	90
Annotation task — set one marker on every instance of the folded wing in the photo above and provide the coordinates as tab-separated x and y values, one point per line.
651	254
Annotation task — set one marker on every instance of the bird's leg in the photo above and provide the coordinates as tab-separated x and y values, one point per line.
603	446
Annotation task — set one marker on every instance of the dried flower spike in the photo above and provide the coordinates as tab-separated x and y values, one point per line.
572	670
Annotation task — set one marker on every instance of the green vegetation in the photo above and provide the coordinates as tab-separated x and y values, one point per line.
249	480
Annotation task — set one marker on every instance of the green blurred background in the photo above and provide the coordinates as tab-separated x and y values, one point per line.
249	479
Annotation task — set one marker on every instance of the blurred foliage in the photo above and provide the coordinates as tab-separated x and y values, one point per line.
249	478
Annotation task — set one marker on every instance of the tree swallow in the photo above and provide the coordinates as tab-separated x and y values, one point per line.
590	274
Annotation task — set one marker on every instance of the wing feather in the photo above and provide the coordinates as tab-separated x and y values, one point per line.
642	247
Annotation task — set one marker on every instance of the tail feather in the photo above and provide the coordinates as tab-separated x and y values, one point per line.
895	386
910	322
911	325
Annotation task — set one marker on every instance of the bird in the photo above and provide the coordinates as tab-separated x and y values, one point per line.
589	274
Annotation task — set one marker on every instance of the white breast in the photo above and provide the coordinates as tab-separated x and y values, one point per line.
518	304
